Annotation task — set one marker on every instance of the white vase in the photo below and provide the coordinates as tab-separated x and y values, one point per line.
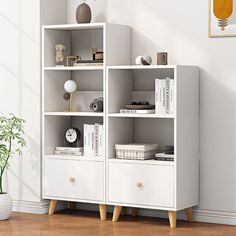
5	206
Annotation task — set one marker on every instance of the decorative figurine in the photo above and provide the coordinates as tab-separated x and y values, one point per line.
71	87
83	13
66	96
143	60
60	54
71	60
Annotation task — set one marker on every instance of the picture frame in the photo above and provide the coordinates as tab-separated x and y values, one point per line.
220	26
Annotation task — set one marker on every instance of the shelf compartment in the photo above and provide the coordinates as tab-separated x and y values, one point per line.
133	84
75	158
135	130
55	127
93	114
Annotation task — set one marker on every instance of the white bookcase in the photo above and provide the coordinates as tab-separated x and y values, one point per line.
169	186
70	178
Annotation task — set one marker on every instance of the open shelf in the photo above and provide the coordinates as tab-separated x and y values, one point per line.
141	162
75	158
71	27
73	68
94	114
123	115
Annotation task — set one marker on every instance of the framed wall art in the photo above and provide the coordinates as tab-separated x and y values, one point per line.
222	18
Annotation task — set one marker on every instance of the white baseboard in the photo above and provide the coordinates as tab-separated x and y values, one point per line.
208	216
35	207
217	217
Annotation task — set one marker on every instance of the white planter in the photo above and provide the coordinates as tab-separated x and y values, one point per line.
5	206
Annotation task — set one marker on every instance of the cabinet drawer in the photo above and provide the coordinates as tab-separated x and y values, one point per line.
141	184
74	179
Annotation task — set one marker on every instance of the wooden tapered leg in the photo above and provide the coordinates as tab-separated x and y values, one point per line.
72	205
134	211
116	213
53	206
189	214
172	219
103	211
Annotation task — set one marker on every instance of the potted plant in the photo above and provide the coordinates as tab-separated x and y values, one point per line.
11	142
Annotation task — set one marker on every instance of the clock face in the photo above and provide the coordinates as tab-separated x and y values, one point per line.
71	135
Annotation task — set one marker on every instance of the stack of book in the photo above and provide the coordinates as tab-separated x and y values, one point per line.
93	140
136	151
164	157
73	151
164	96
152	111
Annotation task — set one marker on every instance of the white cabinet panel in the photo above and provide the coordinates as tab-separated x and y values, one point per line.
74	179
141	184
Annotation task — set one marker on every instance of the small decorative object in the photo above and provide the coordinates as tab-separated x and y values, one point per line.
71	87
66	96
83	13
72	136
162	58
60	54
141	105
222	18
71	60
98	56
11	142
97	105
143	60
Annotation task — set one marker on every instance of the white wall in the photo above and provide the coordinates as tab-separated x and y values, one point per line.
181	29
20	86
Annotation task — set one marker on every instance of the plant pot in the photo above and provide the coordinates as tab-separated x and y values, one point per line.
83	13
5	206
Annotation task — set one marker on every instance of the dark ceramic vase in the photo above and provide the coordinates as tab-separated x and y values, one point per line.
83	13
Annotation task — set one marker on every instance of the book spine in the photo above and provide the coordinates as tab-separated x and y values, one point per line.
100	141
92	130
156	96
171	96
96	130
85	140
163	97
167	85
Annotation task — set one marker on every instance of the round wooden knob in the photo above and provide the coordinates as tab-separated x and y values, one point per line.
139	185
72	179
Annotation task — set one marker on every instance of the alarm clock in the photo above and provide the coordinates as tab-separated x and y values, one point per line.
72	135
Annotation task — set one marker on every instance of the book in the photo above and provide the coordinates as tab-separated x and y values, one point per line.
151	111
137	147
100	140
76	153
164	159
80	149
163	155
164	96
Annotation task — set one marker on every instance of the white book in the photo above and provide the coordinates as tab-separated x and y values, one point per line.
85	140
163	82
70	149
156	96
92	140
137	147
151	111
69	153
167	97
100	141
171	96
163	155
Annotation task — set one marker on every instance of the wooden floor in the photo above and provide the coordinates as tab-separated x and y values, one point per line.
81	223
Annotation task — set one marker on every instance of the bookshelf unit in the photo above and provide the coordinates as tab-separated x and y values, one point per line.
160	185
70	178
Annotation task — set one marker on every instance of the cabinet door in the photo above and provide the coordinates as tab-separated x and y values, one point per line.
74	179
141	184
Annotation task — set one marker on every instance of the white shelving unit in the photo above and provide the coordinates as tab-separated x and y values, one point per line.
70	178
170	186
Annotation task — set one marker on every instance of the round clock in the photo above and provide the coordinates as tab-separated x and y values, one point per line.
72	135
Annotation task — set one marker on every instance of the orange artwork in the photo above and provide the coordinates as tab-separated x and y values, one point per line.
222	18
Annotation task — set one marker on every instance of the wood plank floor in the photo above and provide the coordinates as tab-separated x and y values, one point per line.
82	223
